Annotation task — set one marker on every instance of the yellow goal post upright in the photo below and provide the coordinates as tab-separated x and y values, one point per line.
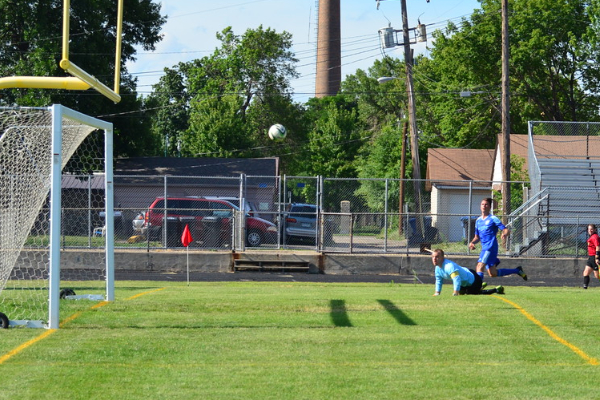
80	80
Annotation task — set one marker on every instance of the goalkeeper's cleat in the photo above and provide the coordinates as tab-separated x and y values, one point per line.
500	289
521	273
483	285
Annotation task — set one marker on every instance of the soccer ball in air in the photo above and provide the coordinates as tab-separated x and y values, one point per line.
277	132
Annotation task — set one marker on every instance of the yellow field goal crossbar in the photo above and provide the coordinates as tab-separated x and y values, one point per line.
81	80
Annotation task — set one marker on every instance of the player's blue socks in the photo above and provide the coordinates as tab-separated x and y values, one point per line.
507	271
480	275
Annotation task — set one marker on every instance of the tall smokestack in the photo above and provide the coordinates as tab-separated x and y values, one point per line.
329	58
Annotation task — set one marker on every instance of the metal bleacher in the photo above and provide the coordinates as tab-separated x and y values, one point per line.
563	159
569	198
572	186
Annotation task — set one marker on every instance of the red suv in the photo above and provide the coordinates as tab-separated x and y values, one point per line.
205	211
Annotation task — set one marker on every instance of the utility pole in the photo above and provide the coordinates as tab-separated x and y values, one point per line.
505	115
387	41
412	119
402	176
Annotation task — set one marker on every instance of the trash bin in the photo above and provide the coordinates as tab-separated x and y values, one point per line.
211	229
465	225
172	235
412	224
429	232
328	227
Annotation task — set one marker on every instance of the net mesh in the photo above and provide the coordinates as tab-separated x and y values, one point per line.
25	170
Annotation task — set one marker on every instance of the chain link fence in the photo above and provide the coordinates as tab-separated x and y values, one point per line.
314	213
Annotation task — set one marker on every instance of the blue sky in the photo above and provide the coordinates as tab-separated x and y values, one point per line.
192	24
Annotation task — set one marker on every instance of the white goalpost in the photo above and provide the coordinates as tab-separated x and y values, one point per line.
35	146
39	236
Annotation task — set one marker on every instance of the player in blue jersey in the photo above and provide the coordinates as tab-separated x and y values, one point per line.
464	281
486	229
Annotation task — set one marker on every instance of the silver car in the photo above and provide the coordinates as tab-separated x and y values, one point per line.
301	222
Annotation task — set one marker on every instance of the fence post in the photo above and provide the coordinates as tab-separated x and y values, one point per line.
164	224
320	221
385	219
90	227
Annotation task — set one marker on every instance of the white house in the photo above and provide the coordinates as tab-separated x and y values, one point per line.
458	180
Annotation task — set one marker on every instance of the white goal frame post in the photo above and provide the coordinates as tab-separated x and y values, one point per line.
58	112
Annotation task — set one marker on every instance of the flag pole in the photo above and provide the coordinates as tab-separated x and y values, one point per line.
186	240
187	253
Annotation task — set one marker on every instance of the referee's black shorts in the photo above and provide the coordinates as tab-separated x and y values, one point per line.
591	262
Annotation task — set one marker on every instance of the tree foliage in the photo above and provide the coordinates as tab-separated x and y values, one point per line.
554	75
226	102
31	33
334	138
553	72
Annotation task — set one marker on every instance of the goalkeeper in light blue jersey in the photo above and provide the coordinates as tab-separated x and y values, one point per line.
486	229
464	281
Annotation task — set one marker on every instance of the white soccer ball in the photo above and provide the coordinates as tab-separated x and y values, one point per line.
277	132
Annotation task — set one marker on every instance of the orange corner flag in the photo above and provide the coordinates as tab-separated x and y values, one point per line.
186	237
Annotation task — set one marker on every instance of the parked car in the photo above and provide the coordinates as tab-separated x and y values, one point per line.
139	223
203	211
301	222
249	206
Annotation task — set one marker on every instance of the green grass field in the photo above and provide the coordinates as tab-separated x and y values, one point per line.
250	340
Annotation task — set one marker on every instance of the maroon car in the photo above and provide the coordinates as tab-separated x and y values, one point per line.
204	214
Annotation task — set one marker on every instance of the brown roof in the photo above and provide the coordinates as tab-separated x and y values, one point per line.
552	146
566	146
459	165
182	166
478	165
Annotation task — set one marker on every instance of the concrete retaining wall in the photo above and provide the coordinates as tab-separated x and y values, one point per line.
330	263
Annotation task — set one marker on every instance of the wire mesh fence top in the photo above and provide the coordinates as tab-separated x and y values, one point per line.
566	140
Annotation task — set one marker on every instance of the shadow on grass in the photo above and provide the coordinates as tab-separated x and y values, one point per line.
338	312
398	315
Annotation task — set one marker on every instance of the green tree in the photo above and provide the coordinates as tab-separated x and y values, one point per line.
168	106
31	33
381	159
378	104
231	97
334	138
216	128
383	109
553	70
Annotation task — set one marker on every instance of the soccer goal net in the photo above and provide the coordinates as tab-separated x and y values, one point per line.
55	196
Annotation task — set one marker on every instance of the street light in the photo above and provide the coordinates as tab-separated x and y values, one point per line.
385	79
